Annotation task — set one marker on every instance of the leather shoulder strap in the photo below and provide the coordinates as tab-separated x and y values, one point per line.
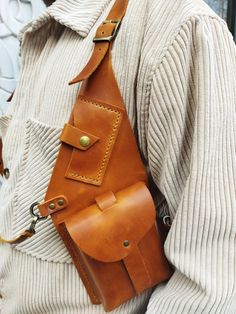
105	35
112	160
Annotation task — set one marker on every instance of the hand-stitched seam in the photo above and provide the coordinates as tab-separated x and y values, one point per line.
100	105
110	142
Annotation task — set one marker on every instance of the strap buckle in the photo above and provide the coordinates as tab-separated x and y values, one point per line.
114	33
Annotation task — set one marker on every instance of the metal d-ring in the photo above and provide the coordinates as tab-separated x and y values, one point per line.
36	217
166	220
33	214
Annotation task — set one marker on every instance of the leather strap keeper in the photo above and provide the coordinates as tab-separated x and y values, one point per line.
73	136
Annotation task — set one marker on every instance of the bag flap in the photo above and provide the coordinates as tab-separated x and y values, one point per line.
110	229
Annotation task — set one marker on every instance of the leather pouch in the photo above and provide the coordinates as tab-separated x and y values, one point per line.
97	195
119	245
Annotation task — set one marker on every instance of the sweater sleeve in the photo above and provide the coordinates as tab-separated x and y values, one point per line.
191	144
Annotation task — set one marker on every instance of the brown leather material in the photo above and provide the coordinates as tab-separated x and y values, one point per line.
101	48
77	257
106	200
137	270
53	205
102	234
108	224
105	30
22	237
118	10
87	115
71	136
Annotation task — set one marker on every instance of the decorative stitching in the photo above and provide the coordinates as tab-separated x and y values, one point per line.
110	142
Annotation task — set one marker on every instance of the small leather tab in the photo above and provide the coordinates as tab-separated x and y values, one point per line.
22	237
106	200
99	53
53	205
72	135
137	270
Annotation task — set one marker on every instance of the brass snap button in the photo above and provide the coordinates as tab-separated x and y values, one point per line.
85	141
52	206
60	202
6	173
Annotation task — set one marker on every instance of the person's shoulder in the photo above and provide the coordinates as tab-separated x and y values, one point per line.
176	12
166	20
167	17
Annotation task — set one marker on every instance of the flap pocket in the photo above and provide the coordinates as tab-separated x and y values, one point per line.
111	229
98	123
77	138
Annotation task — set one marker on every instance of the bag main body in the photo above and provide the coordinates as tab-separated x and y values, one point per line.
98	194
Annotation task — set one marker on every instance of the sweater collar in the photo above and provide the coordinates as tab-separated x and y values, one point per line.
78	15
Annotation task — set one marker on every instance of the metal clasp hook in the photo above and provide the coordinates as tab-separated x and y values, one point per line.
29	232
36	217
166	220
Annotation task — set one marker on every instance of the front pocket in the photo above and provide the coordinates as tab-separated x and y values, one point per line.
102	122
116	240
41	148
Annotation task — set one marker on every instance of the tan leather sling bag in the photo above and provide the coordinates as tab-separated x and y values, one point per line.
97	196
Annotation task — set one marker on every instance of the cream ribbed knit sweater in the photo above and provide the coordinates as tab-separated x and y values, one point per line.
175	62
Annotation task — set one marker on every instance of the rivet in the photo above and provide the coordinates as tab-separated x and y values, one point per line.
85	141
126	243
52	206
60	202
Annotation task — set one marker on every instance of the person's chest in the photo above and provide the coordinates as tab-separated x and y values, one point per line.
53	54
